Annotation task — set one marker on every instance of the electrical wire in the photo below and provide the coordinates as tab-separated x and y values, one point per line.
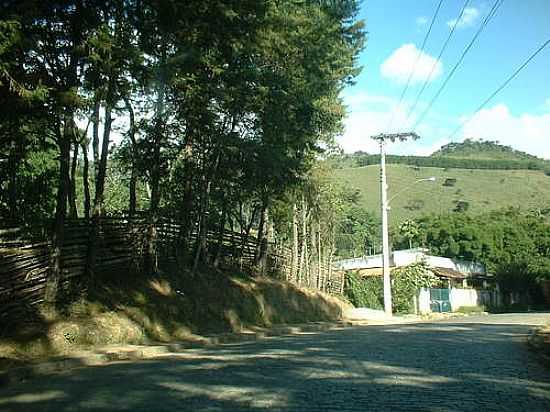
457	20
502	86
415	64
490	15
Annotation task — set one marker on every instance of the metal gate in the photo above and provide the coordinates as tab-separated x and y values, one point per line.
440	300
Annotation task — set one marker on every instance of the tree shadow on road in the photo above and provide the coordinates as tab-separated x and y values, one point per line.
437	366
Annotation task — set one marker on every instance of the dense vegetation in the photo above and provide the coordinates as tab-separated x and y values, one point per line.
406	281
482	149
514	245
359	159
469	154
222	108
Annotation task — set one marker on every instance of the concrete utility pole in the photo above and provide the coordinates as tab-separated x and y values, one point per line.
381	138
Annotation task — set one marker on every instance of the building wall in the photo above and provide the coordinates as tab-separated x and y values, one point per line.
461	297
424	301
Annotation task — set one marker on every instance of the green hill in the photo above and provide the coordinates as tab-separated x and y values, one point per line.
471	189
469	154
482	149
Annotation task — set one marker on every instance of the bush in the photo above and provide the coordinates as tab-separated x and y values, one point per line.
461	206
406	281
449	182
364	292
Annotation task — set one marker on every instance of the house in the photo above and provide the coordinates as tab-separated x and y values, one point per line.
468	283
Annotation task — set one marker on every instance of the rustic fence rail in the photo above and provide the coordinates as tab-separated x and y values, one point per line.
25	259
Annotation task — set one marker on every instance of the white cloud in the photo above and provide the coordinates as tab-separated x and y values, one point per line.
546	105
368	115
469	16
421	21
527	132
398	66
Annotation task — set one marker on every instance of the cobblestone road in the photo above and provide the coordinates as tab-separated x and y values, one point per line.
477	364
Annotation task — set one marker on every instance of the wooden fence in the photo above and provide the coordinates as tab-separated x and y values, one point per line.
25	259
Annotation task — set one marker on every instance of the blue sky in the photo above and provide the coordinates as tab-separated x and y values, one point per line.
518	116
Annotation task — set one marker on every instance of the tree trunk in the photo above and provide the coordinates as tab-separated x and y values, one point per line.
73	213
261	230
294	266
221	231
303	248
12	181
201	249
95	137
260	256
133	151
54	275
85	178
99	198
248	228
186	215
151	262
319	257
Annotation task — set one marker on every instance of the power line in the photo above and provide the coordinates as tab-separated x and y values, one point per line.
415	63
502	86
487	19
457	20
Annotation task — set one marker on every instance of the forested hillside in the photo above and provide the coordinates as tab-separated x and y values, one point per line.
482	149
470	154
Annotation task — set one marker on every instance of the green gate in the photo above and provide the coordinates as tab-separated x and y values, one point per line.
440	300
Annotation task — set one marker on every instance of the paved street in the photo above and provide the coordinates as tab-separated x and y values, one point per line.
472	364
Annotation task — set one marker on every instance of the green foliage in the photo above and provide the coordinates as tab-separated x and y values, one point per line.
449	182
469	154
410	231
482	149
461	206
512	244
364	292
233	101
406	281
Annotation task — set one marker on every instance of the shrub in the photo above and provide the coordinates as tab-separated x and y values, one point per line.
449	182
364	292
461	206
406	281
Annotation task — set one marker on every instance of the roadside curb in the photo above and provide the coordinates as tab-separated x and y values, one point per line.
113	353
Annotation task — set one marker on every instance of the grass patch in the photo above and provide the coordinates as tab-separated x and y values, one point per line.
482	189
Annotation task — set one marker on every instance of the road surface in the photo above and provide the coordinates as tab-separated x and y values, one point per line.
471	364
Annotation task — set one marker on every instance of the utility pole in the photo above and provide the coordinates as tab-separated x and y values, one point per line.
381	138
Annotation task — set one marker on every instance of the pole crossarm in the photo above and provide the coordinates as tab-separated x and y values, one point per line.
382	137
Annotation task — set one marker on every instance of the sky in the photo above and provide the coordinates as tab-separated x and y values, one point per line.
519	116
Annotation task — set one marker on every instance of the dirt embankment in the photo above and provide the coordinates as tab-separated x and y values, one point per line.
165	308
